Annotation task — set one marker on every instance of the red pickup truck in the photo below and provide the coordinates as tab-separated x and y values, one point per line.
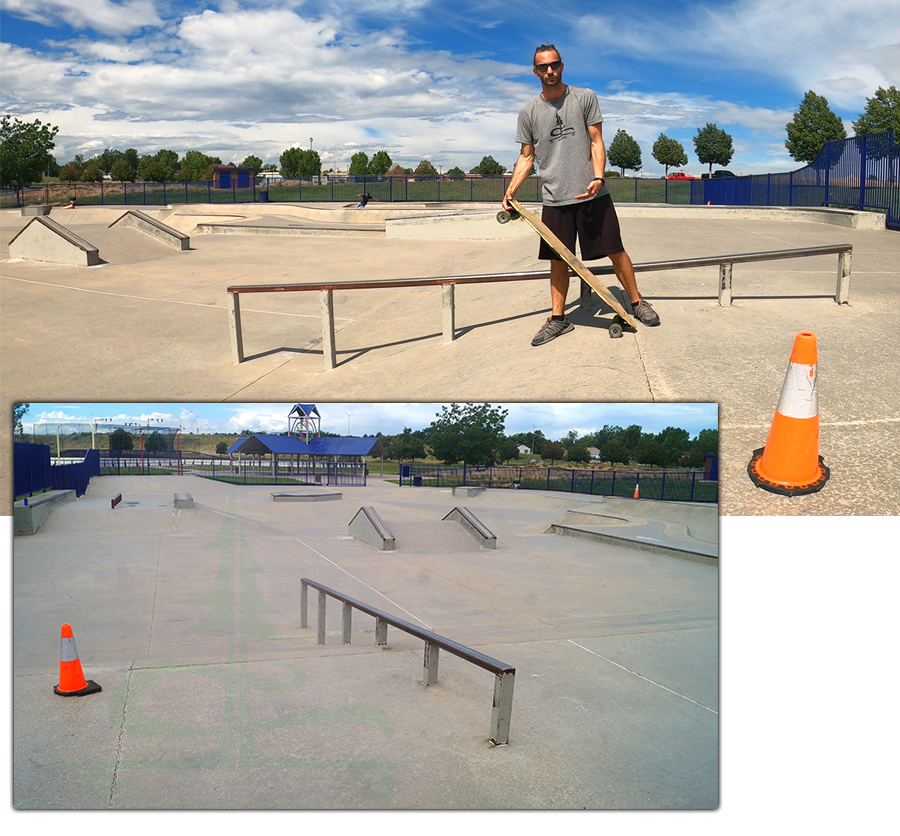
680	175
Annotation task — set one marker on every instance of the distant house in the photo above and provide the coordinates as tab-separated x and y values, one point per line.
593	452
232	176
524	450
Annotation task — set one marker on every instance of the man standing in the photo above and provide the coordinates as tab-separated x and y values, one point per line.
562	129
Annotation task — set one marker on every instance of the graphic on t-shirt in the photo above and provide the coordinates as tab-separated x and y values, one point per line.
560	131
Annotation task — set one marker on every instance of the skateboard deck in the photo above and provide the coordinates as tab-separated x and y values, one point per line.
577	265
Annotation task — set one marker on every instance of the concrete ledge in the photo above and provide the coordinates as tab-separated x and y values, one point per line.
625	542
28	518
468	490
154	228
479	531
481	224
477	224
184	500
848	218
43	239
28	211
304	497
367	526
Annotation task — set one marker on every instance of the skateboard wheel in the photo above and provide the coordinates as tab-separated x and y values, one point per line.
615	330
503	217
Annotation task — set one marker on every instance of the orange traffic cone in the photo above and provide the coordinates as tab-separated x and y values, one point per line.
71	679
636	491
790	463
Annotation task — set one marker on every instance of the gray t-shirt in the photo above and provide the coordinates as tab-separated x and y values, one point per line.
562	145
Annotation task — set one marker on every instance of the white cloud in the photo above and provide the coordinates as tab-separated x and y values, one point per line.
828	46
102	16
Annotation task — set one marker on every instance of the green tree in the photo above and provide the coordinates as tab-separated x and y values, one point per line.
507	450
252	162
578	454
381	161
122	171
882	113
24	152
359	164
425	169
624	152
669	152
121	439
70	173
650	450
554	451
814	124
221	448
468	433
488	167
19	412
456	173
405	446
155	441
713	146
196	164
615	451
92	173
300	162
150	170
708	441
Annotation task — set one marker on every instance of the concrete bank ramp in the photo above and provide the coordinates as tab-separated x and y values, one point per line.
43	239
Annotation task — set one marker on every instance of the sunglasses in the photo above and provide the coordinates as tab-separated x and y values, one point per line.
553	65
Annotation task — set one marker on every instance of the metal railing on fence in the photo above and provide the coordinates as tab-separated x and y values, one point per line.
504	674
862	172
671	486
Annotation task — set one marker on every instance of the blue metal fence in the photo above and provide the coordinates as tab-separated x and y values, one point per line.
862	172
672	486
33	472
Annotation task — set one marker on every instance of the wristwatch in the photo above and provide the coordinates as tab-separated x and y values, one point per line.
601	179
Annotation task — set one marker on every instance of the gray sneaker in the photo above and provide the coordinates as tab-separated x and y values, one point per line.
552	329
644	313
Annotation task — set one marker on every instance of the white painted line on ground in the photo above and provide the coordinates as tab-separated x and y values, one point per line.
427	626
644	678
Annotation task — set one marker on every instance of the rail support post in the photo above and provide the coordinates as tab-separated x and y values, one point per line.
842	294
431	663
346	621
380	631
234	324
584	299
320	624
448	311
725	270
304	605
500	716
328	351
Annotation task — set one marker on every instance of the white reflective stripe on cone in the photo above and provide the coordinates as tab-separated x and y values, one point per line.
67	651
799	397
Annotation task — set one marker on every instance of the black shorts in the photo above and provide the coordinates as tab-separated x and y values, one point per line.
593	222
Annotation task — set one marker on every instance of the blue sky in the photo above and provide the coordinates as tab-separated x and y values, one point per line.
431	79
554	420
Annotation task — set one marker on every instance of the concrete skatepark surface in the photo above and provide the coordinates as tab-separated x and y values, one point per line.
152	323
213	697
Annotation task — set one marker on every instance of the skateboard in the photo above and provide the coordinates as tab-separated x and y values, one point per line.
622	317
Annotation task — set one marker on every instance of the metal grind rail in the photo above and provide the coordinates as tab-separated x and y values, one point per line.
504	675
725	263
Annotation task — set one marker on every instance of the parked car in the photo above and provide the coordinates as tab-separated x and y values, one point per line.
722	173
680	175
